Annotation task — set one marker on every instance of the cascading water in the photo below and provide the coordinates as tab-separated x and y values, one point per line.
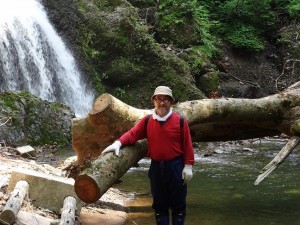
34	58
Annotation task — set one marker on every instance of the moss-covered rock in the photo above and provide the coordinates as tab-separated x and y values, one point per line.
209	82
34	121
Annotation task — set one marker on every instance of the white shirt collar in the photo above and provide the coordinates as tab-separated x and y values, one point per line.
157	117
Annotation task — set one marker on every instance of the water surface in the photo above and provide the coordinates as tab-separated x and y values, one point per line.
222	191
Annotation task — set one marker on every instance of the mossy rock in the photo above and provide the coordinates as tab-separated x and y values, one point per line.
33	120
209	82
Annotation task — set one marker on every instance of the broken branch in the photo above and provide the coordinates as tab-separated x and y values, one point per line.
279	158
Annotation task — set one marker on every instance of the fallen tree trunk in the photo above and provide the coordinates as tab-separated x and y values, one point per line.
209	119
14	203
102	173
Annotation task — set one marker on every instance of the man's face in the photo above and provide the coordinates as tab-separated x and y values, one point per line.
162	104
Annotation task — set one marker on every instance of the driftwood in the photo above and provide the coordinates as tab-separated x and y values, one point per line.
280	157
14	203
209	120
68	211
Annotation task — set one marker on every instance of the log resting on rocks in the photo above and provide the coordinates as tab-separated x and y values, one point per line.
209	119
14	203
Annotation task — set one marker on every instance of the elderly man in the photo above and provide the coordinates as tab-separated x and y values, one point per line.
172	156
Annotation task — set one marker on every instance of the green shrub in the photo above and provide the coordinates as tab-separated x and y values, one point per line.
245	22
243	36
294	8
184	23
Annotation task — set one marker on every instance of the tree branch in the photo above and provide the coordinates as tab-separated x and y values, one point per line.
284	68
280	157
7	119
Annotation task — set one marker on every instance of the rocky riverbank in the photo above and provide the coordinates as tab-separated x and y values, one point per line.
109	210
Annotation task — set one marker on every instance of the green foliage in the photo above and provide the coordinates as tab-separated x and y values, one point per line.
107	3
185	23
294	8
122	71
243	36
87	43
209	82
258	13
197	59
143	3
243	22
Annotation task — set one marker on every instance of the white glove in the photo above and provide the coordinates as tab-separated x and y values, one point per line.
187	173
114	147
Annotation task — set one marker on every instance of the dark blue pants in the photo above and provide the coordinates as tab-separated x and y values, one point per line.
167	186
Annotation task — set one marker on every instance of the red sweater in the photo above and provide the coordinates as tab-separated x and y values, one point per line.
165	141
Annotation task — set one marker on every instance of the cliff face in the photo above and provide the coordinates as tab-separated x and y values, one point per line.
118	55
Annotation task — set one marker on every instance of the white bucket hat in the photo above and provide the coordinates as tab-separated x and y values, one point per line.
163	90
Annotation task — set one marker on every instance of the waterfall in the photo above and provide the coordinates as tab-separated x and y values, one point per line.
34	58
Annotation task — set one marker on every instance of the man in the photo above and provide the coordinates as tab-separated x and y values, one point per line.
172	156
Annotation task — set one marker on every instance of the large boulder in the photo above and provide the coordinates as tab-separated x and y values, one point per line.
27	119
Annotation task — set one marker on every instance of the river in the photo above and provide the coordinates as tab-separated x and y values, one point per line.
222	191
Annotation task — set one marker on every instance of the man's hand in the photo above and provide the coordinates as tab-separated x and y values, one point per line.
114	147
187	173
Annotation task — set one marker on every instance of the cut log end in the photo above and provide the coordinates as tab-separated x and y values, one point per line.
101	103
87	189
7	217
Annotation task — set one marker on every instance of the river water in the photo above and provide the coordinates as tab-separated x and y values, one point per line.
222	191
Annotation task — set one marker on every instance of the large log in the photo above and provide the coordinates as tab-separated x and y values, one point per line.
102	173
209	119
107	120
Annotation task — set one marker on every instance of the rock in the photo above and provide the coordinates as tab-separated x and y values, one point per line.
26	151
46	191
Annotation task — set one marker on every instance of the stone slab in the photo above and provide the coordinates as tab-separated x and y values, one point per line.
45	191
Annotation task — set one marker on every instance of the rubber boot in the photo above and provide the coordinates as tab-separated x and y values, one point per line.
162	219
178	219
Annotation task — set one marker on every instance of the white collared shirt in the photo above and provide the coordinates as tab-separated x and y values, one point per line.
157	117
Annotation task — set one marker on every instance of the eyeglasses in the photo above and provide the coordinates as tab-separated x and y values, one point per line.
164	100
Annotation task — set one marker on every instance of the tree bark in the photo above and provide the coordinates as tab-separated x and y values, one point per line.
68	211
14	203
107	120
209	119
102	173
278	160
